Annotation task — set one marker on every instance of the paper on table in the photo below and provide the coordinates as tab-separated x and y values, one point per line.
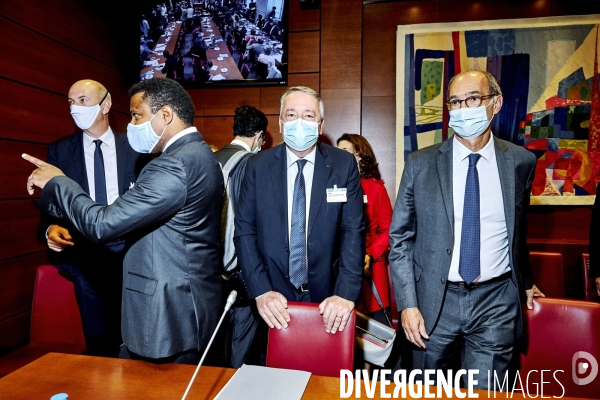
218	77
214	67
252	382
223	55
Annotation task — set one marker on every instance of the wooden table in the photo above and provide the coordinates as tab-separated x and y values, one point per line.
86	377
233	73
170	46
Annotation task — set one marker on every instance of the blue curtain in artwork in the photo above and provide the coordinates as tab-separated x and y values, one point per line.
514	82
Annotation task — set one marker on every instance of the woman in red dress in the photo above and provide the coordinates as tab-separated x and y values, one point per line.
378	216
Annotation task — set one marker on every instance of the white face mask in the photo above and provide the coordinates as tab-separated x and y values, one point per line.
142	137
83	116
300	134
469	123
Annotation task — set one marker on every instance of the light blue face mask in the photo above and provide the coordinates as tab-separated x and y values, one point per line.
469	123
142	137
300	134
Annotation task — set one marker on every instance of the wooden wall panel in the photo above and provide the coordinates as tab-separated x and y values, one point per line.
304	52
560	223
39	61
55	19
274	137
13	177
197	96
341	42
218	130
342	112
20	233
17	280
225	101
14	332
270	96
380	130
32	114
308	20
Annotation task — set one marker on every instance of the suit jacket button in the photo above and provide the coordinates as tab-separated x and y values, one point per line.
286	249
443	280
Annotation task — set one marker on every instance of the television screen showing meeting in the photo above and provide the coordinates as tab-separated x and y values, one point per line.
215	43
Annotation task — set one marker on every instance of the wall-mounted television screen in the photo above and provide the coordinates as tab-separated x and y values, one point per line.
215	43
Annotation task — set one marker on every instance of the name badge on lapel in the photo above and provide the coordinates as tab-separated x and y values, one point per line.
336	195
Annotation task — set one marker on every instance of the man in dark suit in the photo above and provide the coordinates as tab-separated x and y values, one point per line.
249	128
172	290
96	269
299	229
459	256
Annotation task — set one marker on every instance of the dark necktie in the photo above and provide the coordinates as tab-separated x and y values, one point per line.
298	266
99	178
468	266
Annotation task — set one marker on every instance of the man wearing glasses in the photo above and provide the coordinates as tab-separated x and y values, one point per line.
459	257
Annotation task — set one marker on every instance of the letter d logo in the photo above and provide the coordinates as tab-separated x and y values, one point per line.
582	368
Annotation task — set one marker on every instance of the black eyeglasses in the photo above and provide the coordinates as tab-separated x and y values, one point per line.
471	101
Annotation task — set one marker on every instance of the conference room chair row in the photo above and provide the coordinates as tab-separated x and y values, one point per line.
555	330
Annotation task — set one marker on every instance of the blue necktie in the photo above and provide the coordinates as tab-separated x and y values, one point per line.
99	178
298	266
468	266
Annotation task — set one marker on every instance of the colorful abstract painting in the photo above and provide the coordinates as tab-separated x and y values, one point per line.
548	71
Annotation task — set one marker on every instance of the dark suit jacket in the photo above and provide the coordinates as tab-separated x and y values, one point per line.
172	292
237	175
67	154
335	236
422	230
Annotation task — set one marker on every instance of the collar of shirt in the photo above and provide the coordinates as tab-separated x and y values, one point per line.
181	134
240	143
108	138
461	152
292	158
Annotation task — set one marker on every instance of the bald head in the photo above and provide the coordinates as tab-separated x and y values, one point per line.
89	93
484	77
93	92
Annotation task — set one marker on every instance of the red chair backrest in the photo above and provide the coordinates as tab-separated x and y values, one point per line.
589	283
555	330
548	273
55	317
305	345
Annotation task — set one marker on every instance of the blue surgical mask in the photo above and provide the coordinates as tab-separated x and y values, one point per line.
469	123
142	137
300	134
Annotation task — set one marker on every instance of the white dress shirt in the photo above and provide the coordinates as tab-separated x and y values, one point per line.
181	134
109	154
308	172
494	259
240	143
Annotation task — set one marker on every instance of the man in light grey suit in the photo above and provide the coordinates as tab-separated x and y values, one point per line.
172	289
459	258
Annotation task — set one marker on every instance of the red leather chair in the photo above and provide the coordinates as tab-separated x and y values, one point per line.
548	273
589	283
555	330
55	321
305	345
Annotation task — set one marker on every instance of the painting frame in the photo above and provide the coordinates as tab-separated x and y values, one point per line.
403	104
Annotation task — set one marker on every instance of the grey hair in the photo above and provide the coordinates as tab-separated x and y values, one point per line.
306	90
493	87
